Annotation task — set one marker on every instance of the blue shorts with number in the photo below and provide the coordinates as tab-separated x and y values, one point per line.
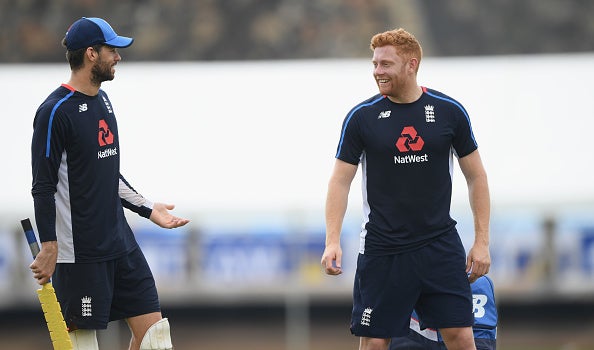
92	294
431	279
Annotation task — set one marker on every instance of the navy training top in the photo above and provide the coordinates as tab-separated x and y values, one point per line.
406	153
78	191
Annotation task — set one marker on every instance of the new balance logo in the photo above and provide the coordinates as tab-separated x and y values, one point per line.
86	308
384	114
366	317
83	107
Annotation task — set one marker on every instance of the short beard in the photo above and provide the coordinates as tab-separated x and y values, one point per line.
99	74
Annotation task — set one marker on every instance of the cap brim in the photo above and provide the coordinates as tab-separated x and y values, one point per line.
120	41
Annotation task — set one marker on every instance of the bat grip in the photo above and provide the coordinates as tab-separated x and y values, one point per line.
30	235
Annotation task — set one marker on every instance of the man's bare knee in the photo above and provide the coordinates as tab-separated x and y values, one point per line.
458	338
373	343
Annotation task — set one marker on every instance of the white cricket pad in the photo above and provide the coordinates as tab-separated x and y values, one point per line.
157	337
84	339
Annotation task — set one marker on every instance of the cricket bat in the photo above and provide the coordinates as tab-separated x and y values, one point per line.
47	297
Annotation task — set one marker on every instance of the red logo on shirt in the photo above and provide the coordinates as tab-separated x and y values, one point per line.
409	140
105	135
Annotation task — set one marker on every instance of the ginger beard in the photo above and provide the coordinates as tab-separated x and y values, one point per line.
390	71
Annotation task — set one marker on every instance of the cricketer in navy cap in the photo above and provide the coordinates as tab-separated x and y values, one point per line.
89	31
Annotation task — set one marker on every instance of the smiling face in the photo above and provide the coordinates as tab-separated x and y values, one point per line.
394	74
104	66
396	58
388	70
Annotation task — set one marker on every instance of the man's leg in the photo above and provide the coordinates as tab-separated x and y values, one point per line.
139	325
460	338
84	291
136	300
366	343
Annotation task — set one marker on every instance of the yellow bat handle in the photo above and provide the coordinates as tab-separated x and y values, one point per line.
47	297
53	317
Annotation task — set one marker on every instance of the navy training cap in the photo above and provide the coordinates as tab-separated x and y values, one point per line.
89	31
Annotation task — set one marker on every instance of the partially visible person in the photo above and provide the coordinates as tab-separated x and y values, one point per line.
411	257
484	329
99	271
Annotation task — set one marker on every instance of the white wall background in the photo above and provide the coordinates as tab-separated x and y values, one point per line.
261	136
250	145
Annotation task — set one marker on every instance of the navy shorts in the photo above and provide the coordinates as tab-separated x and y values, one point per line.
431	279
92	294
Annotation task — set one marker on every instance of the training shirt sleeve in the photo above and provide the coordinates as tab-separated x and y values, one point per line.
350	146
463	142
50	128
133	200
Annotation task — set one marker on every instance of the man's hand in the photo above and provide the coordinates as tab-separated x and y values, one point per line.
44	264
161	216
332	260
478	261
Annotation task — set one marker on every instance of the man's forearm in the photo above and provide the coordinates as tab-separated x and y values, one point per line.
336	204
481	209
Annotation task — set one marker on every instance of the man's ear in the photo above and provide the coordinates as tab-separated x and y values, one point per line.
91	54
413	64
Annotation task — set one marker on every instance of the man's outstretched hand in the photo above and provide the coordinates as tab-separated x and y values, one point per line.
162	217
